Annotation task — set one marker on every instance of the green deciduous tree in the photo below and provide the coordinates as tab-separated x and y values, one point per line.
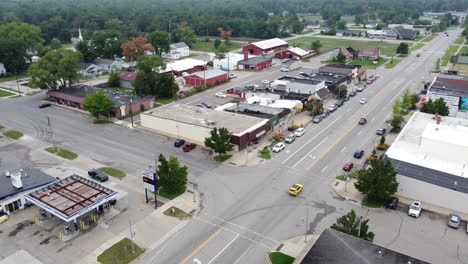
87	50
395	122
406	100
98	104
415	98
150	63
160	41
114	79
315	45
107	44
57	69
221	51
166	87
353	225
436	107
379	181
219	141
187	35
341	25
403	48
341	58
171	175
396	108
216	43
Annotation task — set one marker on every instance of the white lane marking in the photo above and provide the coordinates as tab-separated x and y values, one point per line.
197	261
224	248
324	168
308	154
343	149
163	239
318	134
359	133
241	227
251	245
373	119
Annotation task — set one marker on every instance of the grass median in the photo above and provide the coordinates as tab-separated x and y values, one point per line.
448	54
113	172
171	195
4	93
13	134
280	258
66	154
120	253
176	212
392	64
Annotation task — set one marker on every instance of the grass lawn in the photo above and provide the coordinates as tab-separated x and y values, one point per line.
416	47
448	54
428	38
13	134
352	175
163	101
1	127
463	50
391	65
62	152
163	193
121	89
5	93
113	172
369	64
460	41
176	212
329	44
368	202
102	122
120	253
419	37
280	258
13	78
200	45
222	158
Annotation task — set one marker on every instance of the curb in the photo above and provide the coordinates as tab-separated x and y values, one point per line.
267	255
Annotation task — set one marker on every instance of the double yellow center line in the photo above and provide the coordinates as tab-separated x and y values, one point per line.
201	246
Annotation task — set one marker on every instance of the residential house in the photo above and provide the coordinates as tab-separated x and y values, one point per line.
403	32
361	53
107	65
349	56
90	70
460	65
177	51
126	79
348	33
2	70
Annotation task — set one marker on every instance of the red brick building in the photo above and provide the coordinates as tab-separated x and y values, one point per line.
212	77
254	63
188	66
296	53
265	46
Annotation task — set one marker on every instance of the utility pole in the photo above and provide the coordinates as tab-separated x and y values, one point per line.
132	236
131	112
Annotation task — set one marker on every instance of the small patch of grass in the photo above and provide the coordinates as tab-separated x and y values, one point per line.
13	134
448	54
176	212
113	172
120	253
163	101
222	158
5	93
416	47
428	38
460	40
164	193
201	45
102	122
280	258
392	64
265	154
372	203
13	78
62	153
1	127
369	64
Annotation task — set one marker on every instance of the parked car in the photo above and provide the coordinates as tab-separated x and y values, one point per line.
415	209
98	175
454	221
340	103
278	147
363	101
317	119
299	132
346	98
348	166
352	94
369	81
325	113
206	105
418	55
358	154
284	69
295	189
188	147
221	95
265	82
179	143
332	107
391	203
232	76
44	105
362	121
290	138
381	131
360	89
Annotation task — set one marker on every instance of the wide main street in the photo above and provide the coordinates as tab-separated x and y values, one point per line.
246	210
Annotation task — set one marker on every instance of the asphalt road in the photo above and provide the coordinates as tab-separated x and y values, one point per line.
247	211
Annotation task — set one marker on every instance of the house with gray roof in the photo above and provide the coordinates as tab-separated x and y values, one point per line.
90	70
176	51
108	65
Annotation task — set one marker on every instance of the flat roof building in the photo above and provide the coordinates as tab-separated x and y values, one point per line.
453	89
254	63
264	46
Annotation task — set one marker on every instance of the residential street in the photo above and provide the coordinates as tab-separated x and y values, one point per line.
246	210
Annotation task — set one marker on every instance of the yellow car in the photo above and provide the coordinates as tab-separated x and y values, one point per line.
295	189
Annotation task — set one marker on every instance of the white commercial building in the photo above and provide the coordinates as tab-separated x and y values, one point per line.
230	62
430	156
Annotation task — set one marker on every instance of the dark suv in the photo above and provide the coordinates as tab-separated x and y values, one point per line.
98	175
391	203
179	143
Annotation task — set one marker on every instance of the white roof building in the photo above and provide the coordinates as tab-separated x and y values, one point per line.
276	103
270	43
299	51
230	61
183	65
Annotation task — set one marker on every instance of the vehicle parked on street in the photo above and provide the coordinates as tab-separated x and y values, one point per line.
381	131
362	121
278	147
363	101
325	113
221	95
348	166
44	105
295	189
232	76
332	107
284	69
369	81
352	94
391	203
206	105
415	209
317	119
453	221
98	175
340	103
360	89
358	154
265	82
290	138
418	55
179	143
299	132
346	98
188	147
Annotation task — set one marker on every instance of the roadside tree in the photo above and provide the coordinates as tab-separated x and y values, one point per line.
403	48
406	99
172	177
341	58
415	98
87	50
395	122
379	181
436	107
316	45
355	226
114	80
160	41
98	104
219	141
221	51
186	34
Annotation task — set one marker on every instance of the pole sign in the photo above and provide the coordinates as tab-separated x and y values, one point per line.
149	179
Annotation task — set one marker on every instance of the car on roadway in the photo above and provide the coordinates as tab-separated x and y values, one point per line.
206	105
188	147
363	101
98	175
360	89
415	209
418	55
278	147
370	81
295	189
232	76
348	166
44	105
391	203
179	143
290	138
284	69
362	121
381	131
453	221
221	95
332	107
317	119
358	154
299	132
352	94
325	113
265	82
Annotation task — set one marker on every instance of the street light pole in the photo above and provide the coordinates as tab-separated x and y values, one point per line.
132	236
131	112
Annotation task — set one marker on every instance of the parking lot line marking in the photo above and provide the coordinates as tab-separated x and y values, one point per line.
359	133
344	148
318	134
245	252
324	168
224	248
201	246
308	154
